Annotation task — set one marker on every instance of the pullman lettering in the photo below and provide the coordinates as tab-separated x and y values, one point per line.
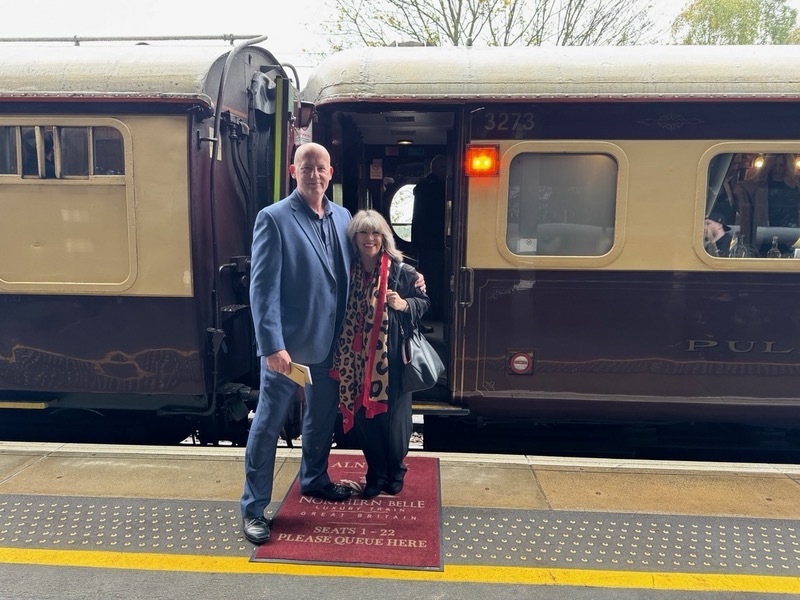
738	346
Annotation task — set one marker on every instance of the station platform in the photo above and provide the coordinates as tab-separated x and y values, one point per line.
152	518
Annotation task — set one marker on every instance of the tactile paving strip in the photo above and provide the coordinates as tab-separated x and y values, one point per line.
614	541
535	538
122	524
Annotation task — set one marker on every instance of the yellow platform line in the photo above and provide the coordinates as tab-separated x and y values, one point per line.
657	580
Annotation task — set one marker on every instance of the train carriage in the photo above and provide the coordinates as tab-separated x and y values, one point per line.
579	282
130	176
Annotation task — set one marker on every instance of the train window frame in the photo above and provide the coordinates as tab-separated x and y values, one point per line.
704	204
55	134
509	151
116	278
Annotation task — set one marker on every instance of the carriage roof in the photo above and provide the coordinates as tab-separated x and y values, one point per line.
168	73
518	73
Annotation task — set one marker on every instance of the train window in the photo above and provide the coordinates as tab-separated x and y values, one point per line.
753	206
107	151
8	151
561	204
37	151
74	144
401	212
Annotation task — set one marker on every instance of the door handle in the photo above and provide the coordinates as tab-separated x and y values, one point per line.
467	287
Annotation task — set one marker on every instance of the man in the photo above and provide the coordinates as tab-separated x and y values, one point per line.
427	231
298	289
718	234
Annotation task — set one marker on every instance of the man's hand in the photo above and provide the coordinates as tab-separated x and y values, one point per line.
419	283
278	361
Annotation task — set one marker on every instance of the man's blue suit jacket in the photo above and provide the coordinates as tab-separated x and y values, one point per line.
292	287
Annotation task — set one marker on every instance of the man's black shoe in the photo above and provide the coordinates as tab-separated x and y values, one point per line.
256	529
371	490
335	492
426	329
393	487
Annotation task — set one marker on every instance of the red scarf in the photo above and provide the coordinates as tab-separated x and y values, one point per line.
361	361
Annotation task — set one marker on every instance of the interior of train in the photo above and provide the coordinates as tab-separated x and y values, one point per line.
410	181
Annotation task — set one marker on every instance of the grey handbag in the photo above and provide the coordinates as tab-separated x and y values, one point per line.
422	366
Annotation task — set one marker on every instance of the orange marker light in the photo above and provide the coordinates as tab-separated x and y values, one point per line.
482	160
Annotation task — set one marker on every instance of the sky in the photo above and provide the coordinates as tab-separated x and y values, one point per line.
292	32
296	37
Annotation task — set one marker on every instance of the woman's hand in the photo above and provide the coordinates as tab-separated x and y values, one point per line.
394	301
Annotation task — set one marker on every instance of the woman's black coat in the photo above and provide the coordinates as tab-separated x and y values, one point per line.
401	280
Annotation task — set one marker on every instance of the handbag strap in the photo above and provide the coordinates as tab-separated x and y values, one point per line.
408	330
396	279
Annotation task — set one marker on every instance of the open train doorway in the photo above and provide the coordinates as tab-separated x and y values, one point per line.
417	206
400	159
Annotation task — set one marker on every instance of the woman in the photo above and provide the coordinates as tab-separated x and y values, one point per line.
368	361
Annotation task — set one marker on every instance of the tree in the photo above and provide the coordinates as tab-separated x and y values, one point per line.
736	22
490	22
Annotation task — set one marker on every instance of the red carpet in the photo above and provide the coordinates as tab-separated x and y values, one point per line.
401	531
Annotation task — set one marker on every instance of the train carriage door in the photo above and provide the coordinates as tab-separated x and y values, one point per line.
460	276
473	232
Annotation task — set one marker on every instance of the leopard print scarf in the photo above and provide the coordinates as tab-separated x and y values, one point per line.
362	348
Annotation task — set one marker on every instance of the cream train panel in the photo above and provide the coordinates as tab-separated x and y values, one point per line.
123	234
661	197
162	206
63	235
